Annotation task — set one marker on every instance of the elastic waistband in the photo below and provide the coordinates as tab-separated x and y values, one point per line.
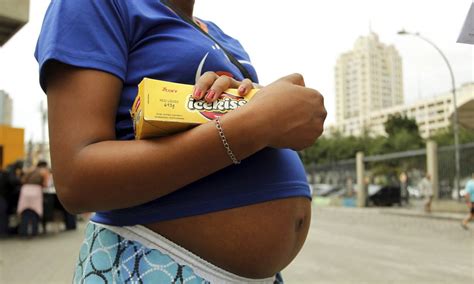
200	266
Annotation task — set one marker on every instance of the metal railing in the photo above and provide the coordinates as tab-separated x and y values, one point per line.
386	169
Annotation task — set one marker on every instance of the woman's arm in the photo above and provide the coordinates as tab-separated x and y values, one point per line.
46	175
95	172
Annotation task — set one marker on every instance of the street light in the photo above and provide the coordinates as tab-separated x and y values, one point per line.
455	118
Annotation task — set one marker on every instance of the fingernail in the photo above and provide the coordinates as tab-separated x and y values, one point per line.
210	95
242	90
196	94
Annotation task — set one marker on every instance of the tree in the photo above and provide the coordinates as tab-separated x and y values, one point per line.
445	137
403	134
395	123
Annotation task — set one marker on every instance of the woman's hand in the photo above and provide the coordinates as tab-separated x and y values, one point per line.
292	114
210	86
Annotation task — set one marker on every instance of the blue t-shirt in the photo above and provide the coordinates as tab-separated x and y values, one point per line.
137	39
470	189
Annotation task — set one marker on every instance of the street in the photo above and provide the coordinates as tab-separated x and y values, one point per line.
348	245
344	245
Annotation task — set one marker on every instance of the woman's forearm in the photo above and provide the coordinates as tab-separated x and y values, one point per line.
118	174
94	172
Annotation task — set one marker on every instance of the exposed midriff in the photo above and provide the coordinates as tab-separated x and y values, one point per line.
254	241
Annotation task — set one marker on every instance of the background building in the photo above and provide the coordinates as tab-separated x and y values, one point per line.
11	145
6	108
431	114
367	78
13	16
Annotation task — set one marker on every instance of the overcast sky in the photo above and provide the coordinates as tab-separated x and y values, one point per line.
283	37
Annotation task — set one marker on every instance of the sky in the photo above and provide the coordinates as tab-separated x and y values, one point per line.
283	37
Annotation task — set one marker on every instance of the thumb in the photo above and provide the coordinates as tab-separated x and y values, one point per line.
295	79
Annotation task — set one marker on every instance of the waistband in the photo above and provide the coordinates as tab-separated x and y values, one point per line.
201	267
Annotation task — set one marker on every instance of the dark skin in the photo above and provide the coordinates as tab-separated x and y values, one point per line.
253	241
95	172
186	6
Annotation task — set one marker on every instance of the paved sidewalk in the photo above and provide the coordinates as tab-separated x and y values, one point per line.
369	246
412	212
344	245
416	209
47	259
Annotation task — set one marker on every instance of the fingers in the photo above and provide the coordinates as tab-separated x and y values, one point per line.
221	84
210	86
245	86
295	79
203	84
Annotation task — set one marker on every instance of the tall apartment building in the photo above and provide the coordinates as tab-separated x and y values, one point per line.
6	109
367	78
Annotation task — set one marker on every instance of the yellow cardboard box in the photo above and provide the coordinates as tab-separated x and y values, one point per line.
162	108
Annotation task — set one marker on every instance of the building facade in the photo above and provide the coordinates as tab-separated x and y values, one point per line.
11	145
367	78
431	115
14	14
6	109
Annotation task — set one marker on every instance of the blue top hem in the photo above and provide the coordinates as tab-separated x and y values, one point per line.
174	211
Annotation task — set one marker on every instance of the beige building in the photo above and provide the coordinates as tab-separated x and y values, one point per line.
367	78
431	115
6	109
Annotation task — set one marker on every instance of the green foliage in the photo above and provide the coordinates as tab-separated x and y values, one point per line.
402	134
446	136
338	147
396	123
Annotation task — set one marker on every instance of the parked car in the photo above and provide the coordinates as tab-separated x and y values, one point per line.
384	195
381	195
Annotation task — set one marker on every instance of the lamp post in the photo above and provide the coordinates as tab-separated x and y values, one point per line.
455	118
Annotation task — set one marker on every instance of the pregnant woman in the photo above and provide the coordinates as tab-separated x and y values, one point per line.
224	202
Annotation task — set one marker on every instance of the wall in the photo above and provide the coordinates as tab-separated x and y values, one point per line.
12	141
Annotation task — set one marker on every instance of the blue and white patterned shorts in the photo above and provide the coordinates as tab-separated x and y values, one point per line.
135	254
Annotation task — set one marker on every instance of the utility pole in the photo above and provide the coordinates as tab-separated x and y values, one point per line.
457	175
44	117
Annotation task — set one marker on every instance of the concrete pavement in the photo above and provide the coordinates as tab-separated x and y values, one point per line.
344	245
350	245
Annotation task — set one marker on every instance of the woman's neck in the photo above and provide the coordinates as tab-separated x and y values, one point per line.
186	6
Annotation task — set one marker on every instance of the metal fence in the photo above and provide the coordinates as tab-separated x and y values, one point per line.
386	169
447	169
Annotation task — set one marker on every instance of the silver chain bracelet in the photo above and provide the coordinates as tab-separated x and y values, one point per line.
224	141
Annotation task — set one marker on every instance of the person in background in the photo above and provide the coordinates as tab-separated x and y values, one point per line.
14	173
349	187
3	203
427	189
10	184
469	195
404	188
30	203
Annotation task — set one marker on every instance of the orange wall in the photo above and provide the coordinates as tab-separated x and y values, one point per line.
12	140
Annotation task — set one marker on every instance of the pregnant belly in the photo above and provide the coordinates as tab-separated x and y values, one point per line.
254	241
